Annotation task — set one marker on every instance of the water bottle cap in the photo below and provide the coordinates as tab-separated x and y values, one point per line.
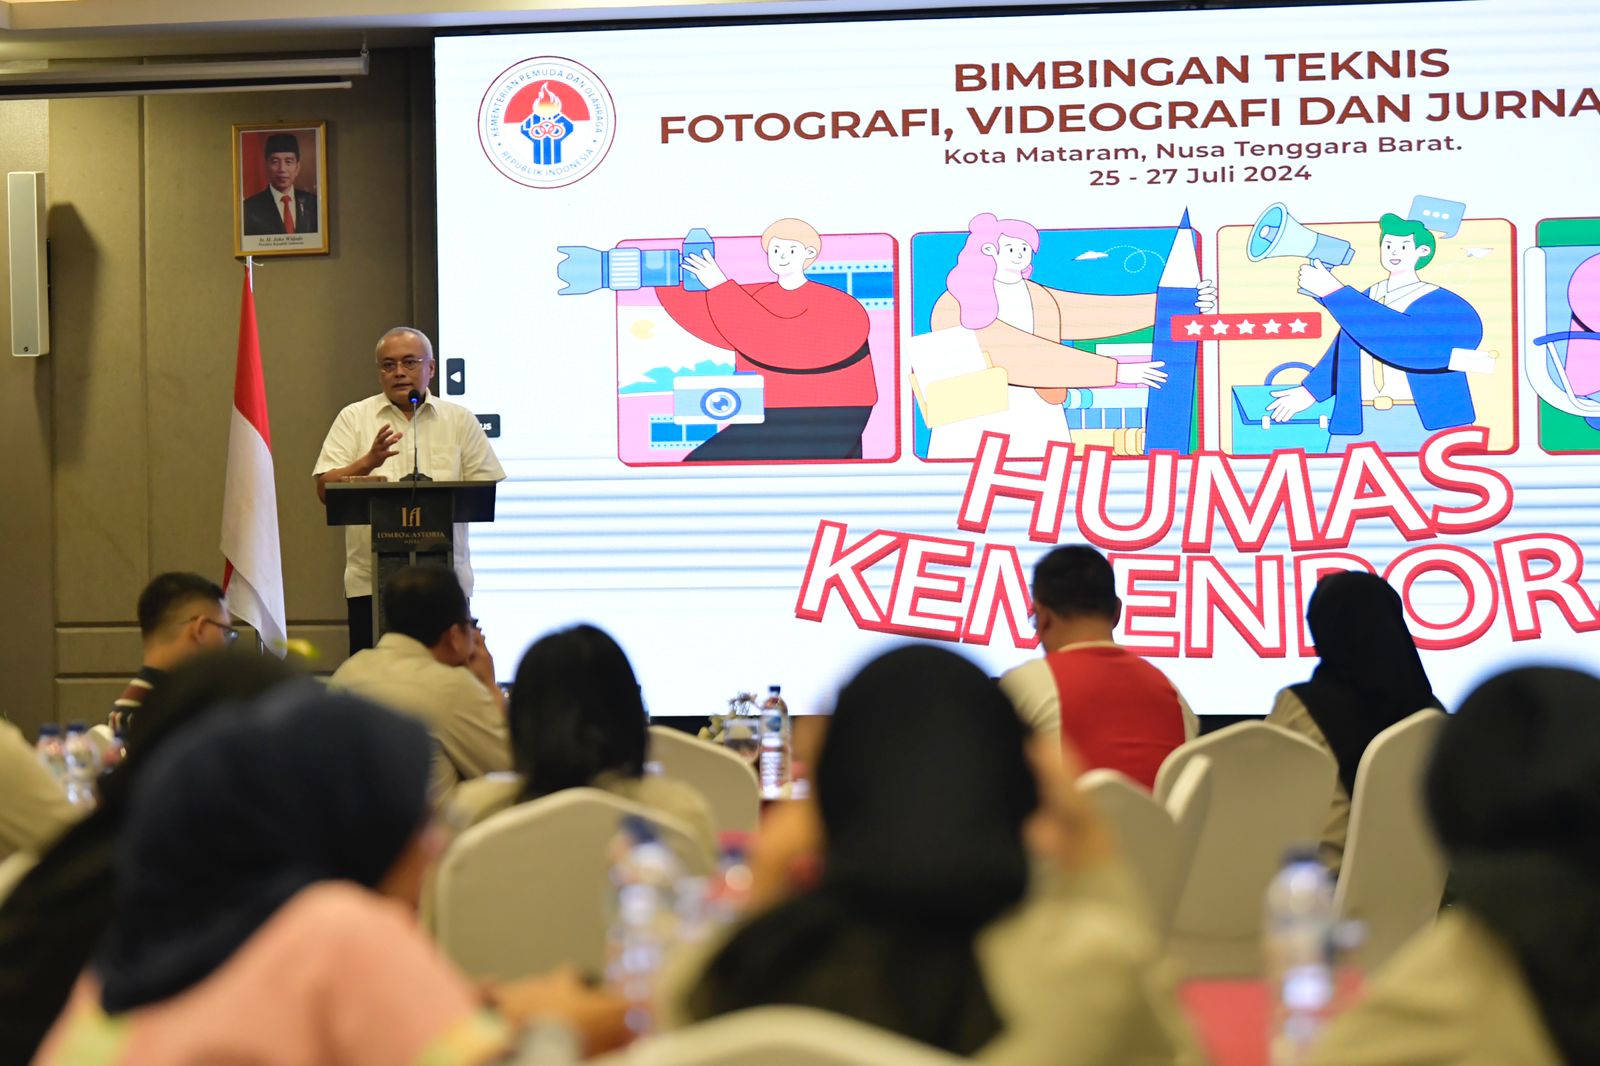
49	729
77	727
1300	853
638	827
774	689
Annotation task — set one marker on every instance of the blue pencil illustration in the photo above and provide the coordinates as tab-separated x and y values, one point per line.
1171	422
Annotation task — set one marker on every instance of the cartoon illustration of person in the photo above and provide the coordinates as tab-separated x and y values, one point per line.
808	342
1020	325
1397	371
1568	378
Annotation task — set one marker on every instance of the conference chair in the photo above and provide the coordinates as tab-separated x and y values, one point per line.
1157	840
725	780
1145	833
1270	789
1188	805
777	1036
1392	877
528	889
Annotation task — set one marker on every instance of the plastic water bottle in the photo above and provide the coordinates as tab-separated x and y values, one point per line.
644	916
115	753
52	753
774	744
741	729
1299	931
728	894
81	767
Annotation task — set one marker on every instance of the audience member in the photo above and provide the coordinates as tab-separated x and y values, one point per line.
180	615
266	887
577	719
433	664
33	805
1507	974
1117	710
1368	677
921	920
59	911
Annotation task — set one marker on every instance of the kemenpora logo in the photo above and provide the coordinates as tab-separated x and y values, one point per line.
546	122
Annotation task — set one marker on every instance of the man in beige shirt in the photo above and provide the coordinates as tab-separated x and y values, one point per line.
432	664
33	807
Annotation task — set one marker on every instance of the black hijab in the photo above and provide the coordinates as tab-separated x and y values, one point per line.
56	915
1369	675
923	786
1514	793
239	814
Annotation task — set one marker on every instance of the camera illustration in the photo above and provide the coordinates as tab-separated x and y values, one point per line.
586	269
718	399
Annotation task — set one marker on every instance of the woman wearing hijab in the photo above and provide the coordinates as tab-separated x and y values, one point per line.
578	720
58	912
266	883
921	920
1509	973
1368	677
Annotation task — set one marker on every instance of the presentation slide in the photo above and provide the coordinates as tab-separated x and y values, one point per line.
801	340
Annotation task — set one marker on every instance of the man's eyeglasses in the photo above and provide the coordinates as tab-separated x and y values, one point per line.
229	633
408	364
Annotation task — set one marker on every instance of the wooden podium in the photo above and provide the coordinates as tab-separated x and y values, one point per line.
412	522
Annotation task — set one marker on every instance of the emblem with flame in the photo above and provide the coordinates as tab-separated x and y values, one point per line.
546	122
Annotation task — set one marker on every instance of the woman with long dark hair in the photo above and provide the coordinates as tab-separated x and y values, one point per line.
578	720
51	922
264	910
926	917
1508	974
250	919
1368	677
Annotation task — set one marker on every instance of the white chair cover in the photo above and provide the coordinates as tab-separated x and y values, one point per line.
1145	834
1188	805
1270	789
528	889
778	1036
1392	878
725	780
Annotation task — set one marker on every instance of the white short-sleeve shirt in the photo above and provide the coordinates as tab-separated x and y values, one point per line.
450	446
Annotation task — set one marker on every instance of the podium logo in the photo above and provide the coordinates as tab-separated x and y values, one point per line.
546	122
411	518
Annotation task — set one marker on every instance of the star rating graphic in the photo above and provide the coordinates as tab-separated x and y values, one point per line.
1252	327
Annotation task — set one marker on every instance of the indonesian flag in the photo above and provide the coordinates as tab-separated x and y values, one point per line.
253	579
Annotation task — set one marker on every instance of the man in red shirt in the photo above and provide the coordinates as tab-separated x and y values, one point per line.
807	341
1115	708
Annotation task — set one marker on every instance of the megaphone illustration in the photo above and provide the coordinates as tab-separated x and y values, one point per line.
1277	234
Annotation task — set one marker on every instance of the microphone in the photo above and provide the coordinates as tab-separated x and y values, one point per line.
414	398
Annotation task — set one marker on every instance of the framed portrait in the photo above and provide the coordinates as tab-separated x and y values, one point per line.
280	189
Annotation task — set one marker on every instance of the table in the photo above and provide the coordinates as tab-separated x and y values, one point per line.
1230	1015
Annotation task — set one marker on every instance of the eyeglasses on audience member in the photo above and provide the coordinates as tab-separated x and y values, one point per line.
229	633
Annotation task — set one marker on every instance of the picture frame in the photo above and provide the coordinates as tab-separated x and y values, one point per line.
271	162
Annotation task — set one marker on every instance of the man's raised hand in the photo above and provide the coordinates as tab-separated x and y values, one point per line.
383	448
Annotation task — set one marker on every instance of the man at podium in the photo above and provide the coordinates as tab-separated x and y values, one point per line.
402	429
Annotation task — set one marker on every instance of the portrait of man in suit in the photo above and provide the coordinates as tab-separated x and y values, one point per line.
281	207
